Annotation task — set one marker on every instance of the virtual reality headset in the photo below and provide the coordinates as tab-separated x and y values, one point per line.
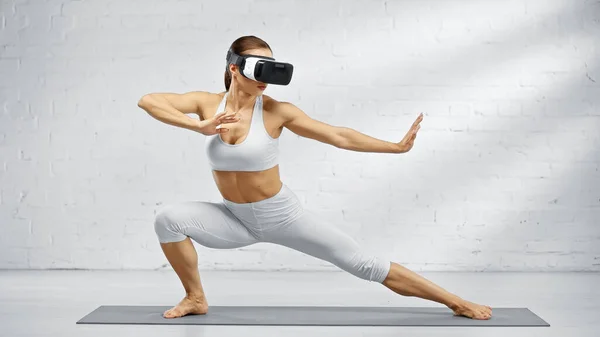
261	68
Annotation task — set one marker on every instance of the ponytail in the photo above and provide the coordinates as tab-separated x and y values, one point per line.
227	79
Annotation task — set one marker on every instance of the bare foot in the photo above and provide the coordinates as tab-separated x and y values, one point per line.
472	310
190	305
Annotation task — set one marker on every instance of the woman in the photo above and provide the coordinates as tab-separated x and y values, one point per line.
257	206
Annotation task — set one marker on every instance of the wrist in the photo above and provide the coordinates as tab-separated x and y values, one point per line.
399	148
198	125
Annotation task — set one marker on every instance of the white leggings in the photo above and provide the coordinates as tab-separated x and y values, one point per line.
280	219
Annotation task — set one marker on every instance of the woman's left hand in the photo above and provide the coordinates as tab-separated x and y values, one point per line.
409	139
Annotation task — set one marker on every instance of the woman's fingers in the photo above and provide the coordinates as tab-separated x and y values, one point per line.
228	119
414	129
219	115
417	124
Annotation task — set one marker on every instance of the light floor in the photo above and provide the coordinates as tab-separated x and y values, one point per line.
48	303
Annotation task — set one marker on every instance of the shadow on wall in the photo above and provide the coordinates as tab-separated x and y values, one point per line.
525	125
530	126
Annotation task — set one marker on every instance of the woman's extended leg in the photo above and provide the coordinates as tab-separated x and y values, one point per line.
408	283
211	225
319	238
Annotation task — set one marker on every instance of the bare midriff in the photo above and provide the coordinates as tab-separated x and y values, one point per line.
246	187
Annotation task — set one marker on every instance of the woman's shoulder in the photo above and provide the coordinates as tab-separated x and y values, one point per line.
212	96
282	111
209	102
272	105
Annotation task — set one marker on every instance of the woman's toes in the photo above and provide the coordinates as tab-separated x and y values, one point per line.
170	313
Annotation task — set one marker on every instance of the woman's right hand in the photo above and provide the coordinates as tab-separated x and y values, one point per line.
209	126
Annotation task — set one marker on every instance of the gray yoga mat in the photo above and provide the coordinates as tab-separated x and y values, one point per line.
330	316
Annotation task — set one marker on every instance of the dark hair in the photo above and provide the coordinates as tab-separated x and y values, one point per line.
241	45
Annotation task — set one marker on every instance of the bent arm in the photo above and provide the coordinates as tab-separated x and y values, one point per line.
171	108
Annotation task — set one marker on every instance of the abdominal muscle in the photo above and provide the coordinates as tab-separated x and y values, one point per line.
246	187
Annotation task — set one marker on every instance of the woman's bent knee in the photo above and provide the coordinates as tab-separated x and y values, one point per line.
168	226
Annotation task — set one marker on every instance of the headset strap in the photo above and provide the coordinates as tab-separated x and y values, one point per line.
237	59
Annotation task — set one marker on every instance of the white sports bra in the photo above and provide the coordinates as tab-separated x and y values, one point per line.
258	152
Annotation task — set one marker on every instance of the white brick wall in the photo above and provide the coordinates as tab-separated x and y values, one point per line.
504	174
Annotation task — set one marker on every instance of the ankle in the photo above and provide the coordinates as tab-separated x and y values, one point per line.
455	303
195	296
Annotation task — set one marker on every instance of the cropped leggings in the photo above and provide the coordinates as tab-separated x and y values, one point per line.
280	219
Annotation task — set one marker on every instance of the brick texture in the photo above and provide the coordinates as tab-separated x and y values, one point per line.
504	175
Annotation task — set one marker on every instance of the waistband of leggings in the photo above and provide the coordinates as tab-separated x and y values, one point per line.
284	189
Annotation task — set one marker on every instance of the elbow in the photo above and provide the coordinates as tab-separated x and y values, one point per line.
339	138
145	102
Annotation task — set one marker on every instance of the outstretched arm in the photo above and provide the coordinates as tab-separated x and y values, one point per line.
357	141
343	137
360	142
